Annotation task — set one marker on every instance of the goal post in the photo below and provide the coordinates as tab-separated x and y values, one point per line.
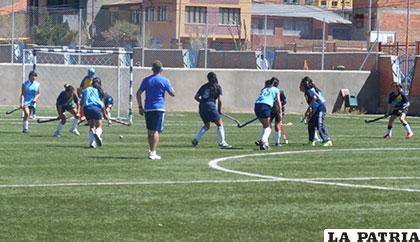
56	67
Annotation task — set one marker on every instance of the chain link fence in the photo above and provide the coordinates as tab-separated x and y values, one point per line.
206	38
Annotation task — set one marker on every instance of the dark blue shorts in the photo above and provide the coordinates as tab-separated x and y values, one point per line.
209	113
154	120
93	112
262	110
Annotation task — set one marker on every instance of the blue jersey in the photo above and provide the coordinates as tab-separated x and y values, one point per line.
155	87
91	97
268	96
397	100
209	96
319	103
31	90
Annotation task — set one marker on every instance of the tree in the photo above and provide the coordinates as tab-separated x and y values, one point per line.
53	34
122	33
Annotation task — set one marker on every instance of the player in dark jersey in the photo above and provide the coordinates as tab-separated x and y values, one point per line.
67	101
207	96
398	104
315	112
108	102
279	126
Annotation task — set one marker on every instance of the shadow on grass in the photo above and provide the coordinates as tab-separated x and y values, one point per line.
112	157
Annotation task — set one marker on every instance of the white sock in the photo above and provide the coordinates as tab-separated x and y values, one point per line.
221	134
260	136
277	137
26	125
316	137
389	132
407	128
99	131
267	132
60	126
200	133
75	123
91	137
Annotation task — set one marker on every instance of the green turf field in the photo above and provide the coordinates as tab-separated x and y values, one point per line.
59	190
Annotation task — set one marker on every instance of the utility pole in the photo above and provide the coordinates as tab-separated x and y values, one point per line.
406	47
13	32
369	24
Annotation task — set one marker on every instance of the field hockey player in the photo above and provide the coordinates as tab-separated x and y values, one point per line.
29	96
269	96
207	96
67	101
398	107
279	126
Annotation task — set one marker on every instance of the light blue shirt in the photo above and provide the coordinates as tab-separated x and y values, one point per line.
155	87
31	90
91	97
268	96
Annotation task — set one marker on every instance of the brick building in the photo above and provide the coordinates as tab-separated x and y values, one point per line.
392	16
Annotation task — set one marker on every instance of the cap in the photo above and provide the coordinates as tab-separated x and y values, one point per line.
91	70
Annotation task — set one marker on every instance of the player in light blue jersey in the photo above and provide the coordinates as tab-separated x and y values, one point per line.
316	111
269	96
94	111
155	87
29	96
398	104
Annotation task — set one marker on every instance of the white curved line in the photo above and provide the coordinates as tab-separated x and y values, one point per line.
318	181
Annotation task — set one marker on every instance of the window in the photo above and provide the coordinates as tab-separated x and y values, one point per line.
296	28
162	14
150	14
196	15
258	27
113	17
334	4
323	3
230	16
135	17
359	20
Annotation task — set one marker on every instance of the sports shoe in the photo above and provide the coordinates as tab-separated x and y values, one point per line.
154	157
194	142
93	145
109	123
225	145
264	146
312	143
286	142
409	135
277	144
327	143
75	131
25	131
57	134
98	139
258	143
387	136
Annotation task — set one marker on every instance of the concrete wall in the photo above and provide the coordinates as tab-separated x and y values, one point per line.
351	61
170	58
228	59
241	87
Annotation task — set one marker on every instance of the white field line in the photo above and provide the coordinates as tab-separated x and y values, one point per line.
128	183
263	178
318	181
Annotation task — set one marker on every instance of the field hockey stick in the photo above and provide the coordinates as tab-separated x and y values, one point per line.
12	111
120	122
40	121
232	118
247	123
376	119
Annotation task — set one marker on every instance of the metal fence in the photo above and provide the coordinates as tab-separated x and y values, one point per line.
154	30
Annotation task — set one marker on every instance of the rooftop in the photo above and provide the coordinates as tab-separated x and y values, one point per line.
18	5
297	11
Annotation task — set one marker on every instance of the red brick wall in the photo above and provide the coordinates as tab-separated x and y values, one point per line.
392	21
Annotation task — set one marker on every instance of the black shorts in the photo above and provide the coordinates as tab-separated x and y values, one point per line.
399	112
